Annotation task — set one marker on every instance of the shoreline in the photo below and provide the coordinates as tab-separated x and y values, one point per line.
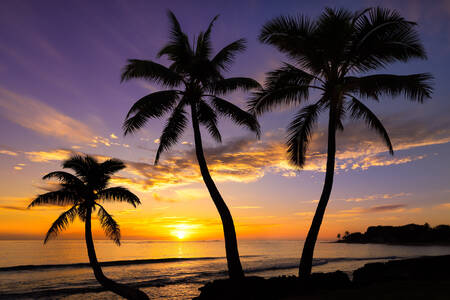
412	278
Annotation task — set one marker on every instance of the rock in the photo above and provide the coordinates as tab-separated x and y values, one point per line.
423	268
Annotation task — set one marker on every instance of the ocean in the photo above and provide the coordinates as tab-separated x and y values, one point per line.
168	270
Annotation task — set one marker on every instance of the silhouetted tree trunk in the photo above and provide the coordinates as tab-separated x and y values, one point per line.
310	242
234	263
120	289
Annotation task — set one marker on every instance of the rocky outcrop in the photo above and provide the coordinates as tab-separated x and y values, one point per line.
422	268
407	234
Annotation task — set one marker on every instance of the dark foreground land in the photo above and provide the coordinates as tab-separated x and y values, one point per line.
418	278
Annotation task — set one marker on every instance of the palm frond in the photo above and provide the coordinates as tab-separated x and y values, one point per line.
82	211
228	85
288	75
178	49
264	100
225	57
146	69
119	194
111	166
383	36
64	177
173	130
204	48
359	111
82	165
154	105
207	117
236	114
109	225
62	197
415	87
299	133
295	37
61	223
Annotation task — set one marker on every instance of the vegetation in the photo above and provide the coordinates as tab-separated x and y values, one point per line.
83	192
328	53
195	80
406	234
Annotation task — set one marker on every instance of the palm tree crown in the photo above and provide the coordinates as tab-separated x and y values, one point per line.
84	191
328	52
194	78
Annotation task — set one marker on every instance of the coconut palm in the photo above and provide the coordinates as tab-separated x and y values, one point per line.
328	53
194	80
84	192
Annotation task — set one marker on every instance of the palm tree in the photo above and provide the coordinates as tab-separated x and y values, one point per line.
194	79
82	192
328	54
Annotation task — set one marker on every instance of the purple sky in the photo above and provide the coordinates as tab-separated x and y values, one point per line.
60	91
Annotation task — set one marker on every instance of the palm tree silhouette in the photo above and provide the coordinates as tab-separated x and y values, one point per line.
82	192
200	84
328	53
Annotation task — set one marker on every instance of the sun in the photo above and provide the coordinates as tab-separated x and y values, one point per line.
182	230
180	234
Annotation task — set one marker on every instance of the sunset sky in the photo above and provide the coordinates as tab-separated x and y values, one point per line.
60	92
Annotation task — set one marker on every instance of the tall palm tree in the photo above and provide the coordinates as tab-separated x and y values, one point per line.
328	54
194	79
82	192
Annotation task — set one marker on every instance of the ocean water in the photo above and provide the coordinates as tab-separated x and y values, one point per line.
168	270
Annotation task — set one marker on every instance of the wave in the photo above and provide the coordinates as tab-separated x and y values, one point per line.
163	280
316	262
110	263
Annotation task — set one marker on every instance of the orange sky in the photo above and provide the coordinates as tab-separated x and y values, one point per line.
47	113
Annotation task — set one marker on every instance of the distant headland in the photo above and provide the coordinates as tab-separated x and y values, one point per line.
411	234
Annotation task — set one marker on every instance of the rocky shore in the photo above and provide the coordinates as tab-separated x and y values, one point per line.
416	278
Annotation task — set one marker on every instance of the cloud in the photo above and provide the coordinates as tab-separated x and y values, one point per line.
247	207
246	159
367	210
7	152
10	207
113	136
383	208
444	205
42	118
46	156
304	214
376	197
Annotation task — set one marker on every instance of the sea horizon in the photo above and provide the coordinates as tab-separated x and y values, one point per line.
170	269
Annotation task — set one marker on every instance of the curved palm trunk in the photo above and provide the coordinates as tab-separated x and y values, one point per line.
311	238
120	289
234	263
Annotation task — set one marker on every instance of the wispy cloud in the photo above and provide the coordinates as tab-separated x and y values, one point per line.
367	210
8	152
46	156
10	207
444	205
247	207
376	197
246	159
42	118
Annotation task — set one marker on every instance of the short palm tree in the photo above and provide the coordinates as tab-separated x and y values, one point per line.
195	80
328	53
82	192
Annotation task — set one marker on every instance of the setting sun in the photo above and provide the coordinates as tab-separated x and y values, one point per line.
182	230
180	234
224	149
